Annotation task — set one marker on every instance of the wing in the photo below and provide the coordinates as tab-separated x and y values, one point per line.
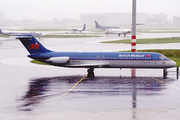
97	65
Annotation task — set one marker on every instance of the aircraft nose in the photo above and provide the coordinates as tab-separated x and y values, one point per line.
172	63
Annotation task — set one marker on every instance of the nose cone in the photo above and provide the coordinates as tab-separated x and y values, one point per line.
172	64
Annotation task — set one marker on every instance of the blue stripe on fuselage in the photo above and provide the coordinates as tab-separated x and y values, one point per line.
100	55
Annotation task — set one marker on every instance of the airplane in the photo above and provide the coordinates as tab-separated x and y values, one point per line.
21	33
118	31
105	27
93	60
84	28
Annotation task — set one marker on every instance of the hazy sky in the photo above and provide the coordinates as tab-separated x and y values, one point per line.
49	9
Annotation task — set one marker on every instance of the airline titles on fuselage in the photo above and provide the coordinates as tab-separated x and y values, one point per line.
132	55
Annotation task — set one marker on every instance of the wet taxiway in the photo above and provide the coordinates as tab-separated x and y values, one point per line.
30	91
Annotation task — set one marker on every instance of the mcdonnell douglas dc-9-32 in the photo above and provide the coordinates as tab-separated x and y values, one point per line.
93	60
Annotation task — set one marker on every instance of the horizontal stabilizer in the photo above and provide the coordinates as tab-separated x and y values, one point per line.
24	37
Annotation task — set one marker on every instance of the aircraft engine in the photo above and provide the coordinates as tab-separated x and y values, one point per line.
58	60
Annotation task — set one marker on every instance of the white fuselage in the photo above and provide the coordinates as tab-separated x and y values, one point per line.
118	31
22	33
122	63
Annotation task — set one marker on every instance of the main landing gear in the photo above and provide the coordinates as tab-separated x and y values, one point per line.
90	73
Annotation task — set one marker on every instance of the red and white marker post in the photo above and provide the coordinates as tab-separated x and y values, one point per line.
133	38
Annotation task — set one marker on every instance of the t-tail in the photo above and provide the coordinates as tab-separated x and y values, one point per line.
32	44
97	25
84	27
1	31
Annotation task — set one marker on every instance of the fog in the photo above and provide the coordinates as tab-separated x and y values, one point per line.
71	9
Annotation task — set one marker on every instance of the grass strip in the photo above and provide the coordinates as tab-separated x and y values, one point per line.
148	40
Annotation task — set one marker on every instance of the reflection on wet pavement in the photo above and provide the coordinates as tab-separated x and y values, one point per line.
44	89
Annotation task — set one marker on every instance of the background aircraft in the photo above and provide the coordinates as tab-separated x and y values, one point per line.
84	28
21	33
93	60
118	31
105	27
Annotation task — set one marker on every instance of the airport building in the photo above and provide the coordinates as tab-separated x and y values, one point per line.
157	19
112	18
123	18
176	20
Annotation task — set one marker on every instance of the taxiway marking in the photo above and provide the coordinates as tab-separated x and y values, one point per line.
167	83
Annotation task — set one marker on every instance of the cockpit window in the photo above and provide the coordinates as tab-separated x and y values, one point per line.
162	57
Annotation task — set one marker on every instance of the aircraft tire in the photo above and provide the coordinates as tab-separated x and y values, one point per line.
90	72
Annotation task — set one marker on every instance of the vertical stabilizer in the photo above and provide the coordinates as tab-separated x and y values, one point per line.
97	25
84	27
32	44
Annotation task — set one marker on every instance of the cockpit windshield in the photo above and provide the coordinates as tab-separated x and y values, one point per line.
162	57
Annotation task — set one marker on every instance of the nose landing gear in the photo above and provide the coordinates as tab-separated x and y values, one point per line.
165	72
90	72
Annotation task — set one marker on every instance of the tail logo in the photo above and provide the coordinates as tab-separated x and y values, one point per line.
33	46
